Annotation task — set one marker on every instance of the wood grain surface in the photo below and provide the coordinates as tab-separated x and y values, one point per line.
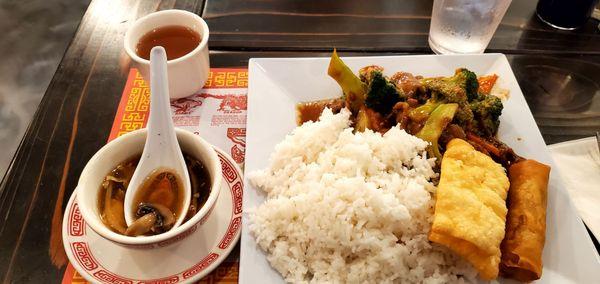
71	123
558	72
377	25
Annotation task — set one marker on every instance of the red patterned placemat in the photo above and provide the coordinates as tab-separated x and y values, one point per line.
217	112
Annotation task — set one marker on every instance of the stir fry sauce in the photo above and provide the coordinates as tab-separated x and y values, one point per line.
158	203
311	111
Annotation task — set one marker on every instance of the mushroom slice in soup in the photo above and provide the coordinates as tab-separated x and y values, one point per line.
142	225
113	209
194	184
151	217
166	217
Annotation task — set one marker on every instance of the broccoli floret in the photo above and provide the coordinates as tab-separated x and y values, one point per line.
462	86
366	73
382	95
486	111
468	80
488	105
464	115
460	89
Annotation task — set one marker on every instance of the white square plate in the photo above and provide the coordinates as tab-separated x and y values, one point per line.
276	85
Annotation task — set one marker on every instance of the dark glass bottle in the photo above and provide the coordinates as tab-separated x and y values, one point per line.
565	14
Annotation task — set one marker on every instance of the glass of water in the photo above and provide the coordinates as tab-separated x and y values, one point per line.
464	26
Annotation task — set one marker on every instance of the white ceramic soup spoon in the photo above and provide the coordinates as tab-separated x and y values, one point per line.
161	151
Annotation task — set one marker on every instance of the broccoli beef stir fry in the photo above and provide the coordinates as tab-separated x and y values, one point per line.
434	109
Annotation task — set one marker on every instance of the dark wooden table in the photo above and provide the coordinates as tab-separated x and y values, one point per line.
74	118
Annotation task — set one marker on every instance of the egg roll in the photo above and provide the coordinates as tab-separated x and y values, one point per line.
526	221
470	210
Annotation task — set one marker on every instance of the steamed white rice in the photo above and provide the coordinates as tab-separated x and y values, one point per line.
347	207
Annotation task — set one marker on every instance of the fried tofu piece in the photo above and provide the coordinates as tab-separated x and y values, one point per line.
470	209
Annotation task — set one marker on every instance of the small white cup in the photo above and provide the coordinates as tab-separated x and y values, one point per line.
187	74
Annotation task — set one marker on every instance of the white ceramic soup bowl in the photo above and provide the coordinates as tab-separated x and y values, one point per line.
187	74
126	147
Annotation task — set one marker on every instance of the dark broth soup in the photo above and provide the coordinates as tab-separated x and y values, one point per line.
159	201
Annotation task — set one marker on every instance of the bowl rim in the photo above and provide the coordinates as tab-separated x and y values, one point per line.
94	221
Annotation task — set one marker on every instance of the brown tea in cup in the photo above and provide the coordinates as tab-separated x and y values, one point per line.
177	41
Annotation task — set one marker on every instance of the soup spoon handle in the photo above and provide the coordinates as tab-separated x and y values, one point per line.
161	150
160	124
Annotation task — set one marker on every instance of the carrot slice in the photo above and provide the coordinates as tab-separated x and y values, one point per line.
163	193
486	83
